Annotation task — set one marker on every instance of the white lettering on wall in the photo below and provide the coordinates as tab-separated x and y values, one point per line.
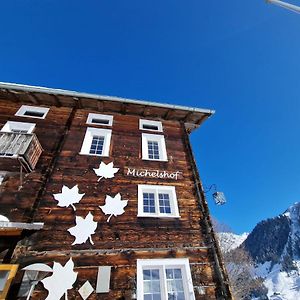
153	173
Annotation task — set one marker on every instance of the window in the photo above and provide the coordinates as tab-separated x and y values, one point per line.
154	147
18	127
3	177
99	119
157	201
32	112
96	142
150	125
7	274
164	279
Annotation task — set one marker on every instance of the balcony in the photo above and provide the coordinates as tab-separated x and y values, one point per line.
22	147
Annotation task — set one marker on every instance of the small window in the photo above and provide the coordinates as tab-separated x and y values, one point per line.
3	176
32	112
7	274
153	147
18	127
96	142
99	119
164	279
157	201
150	125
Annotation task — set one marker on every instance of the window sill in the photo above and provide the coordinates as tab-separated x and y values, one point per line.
101	155
160	216
33	117
148	159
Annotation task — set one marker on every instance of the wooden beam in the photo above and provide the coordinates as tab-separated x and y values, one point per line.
146	111
124	108
185	119
201	119
33	98
57	101
168	113
13	96
100	105
78	101
10	232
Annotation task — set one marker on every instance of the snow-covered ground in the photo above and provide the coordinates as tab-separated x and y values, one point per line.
280	285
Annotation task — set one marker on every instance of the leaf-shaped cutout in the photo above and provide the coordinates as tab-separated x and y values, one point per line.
114	206
68	196
106	170
83	230
61	280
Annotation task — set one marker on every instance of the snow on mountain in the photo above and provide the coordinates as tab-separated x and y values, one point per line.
229	241
274	246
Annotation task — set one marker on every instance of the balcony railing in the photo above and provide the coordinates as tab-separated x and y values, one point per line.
24	147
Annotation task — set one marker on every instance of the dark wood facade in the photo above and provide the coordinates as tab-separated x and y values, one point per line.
126	237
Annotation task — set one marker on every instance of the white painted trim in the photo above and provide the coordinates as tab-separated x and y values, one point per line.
103	279
18	225
12	125
90	132
161	264
24	108
156	189
161	146
92	116
151	123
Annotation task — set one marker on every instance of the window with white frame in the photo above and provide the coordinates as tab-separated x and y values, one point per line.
164	279
18	127
96	142
157	201
151	125
99	119
32	112
154	147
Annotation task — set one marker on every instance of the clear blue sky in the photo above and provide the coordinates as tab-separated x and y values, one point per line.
241	58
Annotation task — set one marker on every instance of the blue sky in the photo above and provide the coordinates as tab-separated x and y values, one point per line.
240	58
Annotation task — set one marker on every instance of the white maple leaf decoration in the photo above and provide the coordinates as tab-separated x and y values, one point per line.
60	281
114	206
68	196
106	170
83	230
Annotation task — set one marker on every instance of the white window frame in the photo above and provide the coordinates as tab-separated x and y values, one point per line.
92	116
151	123
156	189
90	132
24	108
162	264
12	125
160	139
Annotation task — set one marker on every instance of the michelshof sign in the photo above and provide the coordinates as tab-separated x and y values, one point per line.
152	173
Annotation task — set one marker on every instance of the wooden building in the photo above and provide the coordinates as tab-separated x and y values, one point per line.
100	198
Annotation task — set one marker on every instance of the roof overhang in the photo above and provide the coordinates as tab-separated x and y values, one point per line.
192	117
